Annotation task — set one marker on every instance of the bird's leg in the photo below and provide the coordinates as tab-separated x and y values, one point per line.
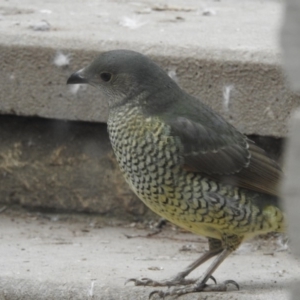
200	284
215	247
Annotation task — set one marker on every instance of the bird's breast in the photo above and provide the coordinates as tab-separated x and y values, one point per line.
151	161
147	154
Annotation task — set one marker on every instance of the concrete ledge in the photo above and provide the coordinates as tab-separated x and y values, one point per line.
80	257
218	53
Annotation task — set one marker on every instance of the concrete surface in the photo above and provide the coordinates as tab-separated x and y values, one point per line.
67	166
225	52
290	39
81	257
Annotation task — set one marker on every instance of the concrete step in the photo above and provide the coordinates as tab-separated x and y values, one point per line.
224	52
81	257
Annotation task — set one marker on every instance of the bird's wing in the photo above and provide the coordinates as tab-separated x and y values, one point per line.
212	146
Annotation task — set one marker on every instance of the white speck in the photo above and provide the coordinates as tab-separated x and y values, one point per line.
269	112
226	96
12	77
132	23
173	75
46	11
91	289
208	12
61	59
74	88
42	25
282	243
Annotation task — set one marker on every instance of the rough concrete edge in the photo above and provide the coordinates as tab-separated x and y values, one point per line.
290	42
234	55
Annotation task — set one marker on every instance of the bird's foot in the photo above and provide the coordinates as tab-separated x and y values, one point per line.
168	282
194	288
175	281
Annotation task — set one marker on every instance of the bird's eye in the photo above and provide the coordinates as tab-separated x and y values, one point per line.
105	76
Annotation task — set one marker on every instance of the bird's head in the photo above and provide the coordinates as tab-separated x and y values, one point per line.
123	75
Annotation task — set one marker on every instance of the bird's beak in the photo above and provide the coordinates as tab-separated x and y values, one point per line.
77	77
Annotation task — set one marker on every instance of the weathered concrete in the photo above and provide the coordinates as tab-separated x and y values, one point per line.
67	166
79	257
290	40
216	51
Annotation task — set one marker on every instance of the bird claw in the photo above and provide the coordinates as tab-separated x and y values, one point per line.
213	279
222	287
228	282
171	282
129	280
142	281
160	294
194	288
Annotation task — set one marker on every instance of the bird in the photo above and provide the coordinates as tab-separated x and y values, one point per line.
185	162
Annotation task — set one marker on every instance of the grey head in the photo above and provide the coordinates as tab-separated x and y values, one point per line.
126	76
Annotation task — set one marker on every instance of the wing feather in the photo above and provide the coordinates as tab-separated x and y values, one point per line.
212	146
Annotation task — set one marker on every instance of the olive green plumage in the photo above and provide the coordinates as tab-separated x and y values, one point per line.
183	160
